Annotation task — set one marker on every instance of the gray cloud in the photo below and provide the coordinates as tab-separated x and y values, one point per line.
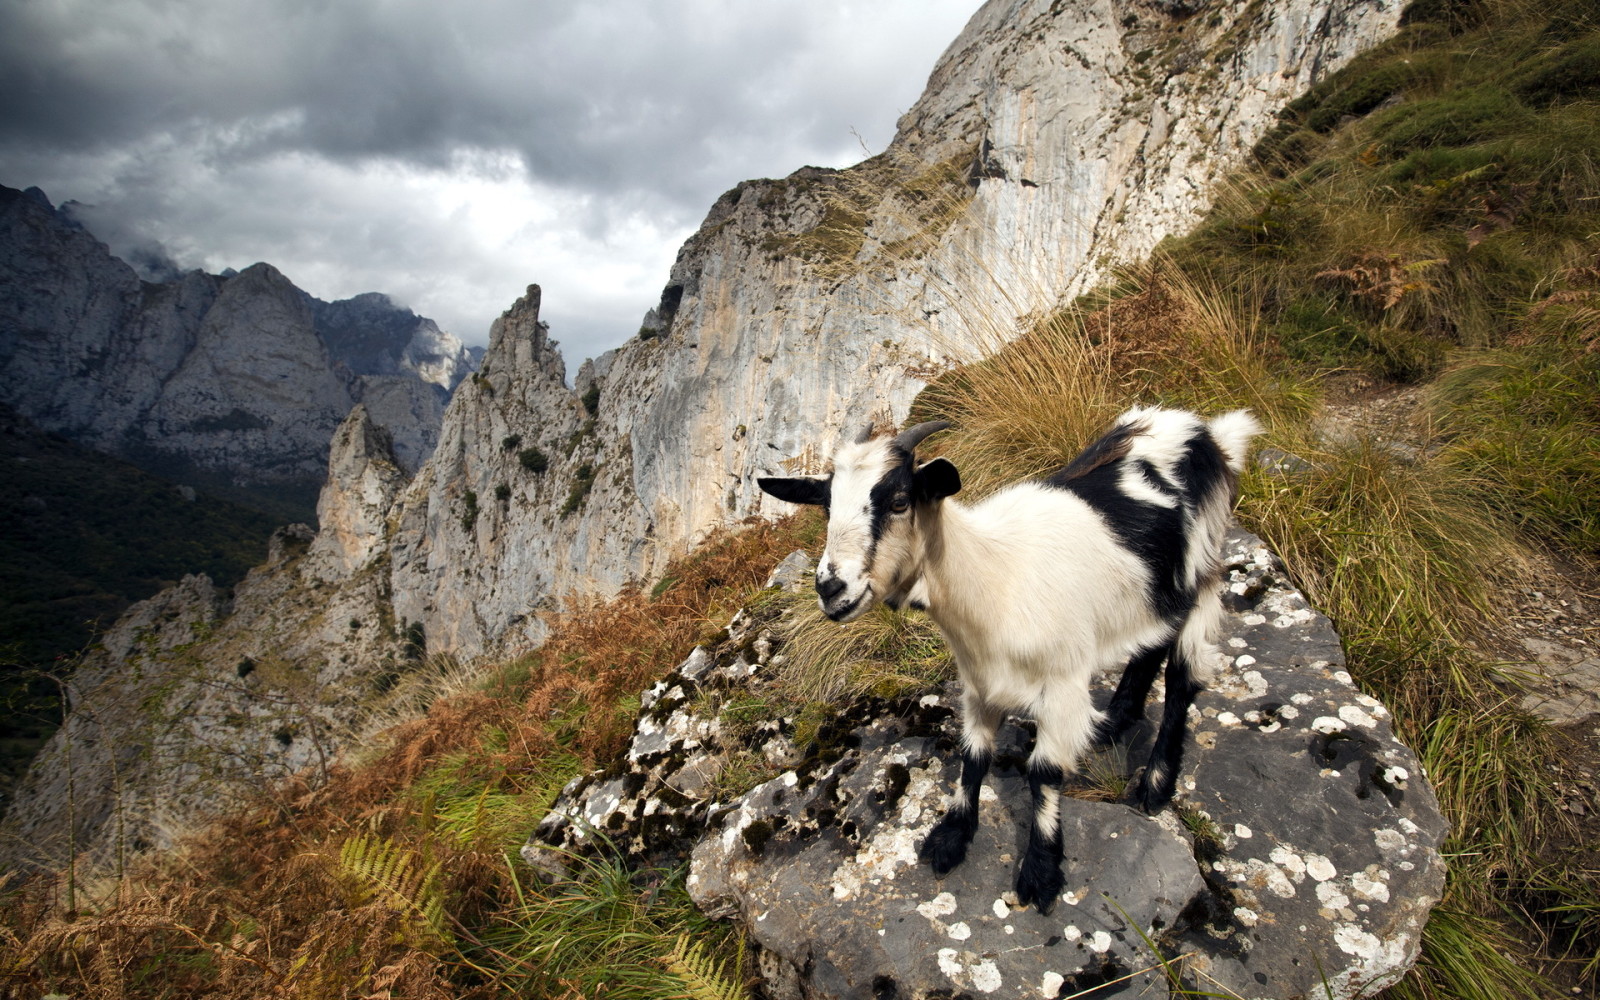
336	138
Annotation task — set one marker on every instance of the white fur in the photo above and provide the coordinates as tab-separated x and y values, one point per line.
1034	596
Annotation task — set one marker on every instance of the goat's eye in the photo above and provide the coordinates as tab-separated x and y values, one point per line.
900	505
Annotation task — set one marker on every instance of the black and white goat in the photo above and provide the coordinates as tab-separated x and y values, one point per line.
1114	559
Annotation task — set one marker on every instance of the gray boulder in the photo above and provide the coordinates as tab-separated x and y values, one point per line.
1299	858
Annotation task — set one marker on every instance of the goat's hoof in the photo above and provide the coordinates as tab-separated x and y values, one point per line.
946	846
1039	883
1152	797
1109	732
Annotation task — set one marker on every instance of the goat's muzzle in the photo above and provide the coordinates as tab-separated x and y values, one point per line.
836	603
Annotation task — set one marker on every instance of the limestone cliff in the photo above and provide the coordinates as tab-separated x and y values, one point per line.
1054	139
215	380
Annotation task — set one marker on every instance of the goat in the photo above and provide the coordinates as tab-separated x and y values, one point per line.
1113	559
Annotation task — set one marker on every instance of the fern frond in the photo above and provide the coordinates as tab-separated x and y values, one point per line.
702	976
378	868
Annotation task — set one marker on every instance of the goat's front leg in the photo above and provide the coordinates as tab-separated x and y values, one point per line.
946	844
1067	722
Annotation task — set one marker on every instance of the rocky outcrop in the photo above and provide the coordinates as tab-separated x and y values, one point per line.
497	522
214	380
1300	857
363	481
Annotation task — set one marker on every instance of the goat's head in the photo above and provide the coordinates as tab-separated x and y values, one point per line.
874	498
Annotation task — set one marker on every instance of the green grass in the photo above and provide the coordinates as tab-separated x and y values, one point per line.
609	931
1525	430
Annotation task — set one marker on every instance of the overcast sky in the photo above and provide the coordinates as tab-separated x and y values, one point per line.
447	153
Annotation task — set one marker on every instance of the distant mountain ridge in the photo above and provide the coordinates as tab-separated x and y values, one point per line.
371	335
232	383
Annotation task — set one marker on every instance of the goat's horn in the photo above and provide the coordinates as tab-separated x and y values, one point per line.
912	436
865	435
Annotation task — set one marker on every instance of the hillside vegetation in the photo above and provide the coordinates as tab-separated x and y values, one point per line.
85	536
1425	224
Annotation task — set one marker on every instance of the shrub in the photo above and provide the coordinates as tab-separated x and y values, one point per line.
414	641
533	460
582	483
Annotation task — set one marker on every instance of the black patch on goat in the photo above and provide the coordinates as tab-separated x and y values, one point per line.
1109	448
1126	709
1160	778
946	844
1039	879
1158	536
1202	469
804	490
897	482
1150	531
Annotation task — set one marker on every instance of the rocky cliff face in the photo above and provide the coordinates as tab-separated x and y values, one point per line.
236	380
1054	139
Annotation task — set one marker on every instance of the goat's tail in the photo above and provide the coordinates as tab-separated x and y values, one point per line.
1232	431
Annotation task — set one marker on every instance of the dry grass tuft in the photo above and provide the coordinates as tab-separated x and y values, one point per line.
883	653
1161	337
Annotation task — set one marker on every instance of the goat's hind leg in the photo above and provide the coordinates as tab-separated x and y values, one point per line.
1066	725
1185	665
946	844
1126	708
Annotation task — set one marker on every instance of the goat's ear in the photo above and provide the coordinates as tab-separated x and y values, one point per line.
811	490
937	479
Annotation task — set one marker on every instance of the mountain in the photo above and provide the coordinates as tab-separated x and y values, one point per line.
229	383
371	335
1054	140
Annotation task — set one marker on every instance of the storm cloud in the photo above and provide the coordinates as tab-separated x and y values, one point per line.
447	154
